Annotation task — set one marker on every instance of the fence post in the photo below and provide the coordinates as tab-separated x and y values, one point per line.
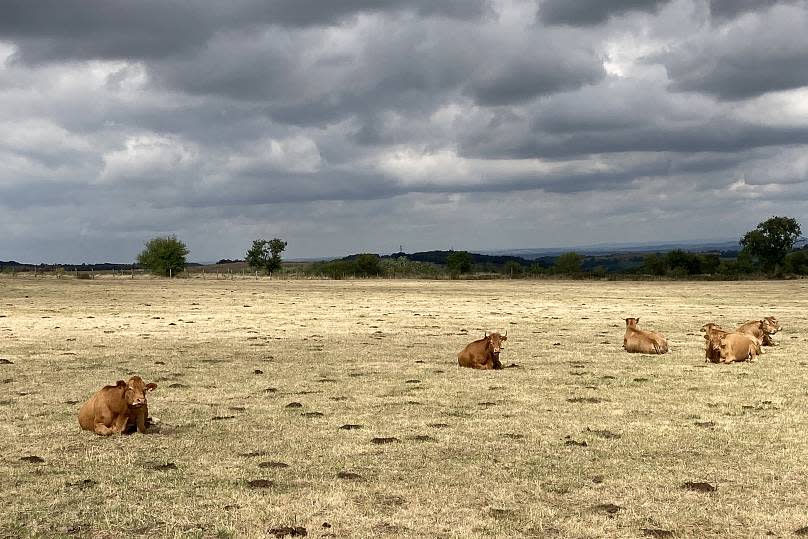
92	273
169	273
133	271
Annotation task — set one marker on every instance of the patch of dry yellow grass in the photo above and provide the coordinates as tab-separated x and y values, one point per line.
476	454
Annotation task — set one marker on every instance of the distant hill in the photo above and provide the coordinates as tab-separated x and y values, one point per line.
102	266
611	255
439	257
729	246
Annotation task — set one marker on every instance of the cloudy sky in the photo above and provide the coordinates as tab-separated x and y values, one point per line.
350	126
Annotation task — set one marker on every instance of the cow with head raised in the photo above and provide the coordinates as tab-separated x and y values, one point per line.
644	342
774	327
483	353
761	330
712	336
117	409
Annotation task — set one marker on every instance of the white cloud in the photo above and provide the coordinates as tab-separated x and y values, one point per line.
149	158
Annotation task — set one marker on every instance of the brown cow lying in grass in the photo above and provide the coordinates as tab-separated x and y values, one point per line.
117	409
483	353
714	338
738	347
644	342
761	330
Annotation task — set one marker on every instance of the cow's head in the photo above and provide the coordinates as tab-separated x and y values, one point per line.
136	391
770	325
632	322
708	328
495	341
713	339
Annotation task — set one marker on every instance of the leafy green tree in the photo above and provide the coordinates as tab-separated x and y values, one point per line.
796	262
368	265
654	264
710	263
163	255
682	263
745	263
568	263
265	255
458	262
771	241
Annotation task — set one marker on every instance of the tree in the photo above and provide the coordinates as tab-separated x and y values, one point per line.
368	265
568	263
797	262
654	264
682	263
512	269
163	255
458	262
265	255
710	263
771	241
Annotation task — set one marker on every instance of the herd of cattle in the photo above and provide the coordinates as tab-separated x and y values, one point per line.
122	408
721	346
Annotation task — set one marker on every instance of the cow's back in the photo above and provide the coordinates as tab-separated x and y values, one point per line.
103	407
87	413
741	346
644	342
474	354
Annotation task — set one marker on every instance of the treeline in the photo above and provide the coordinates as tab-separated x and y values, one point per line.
11	265
675	264
766	251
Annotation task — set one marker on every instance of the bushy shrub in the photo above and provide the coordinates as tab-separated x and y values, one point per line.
163	255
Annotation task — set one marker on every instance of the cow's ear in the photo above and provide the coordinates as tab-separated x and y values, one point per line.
151	386
120	383
637	319
504	338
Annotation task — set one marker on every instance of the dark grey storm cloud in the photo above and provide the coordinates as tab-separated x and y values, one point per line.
592	12
360	125
728	9
55	30
745	60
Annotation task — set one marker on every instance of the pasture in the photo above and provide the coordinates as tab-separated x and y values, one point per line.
389	438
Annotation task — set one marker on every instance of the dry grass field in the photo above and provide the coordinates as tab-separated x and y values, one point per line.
578	439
